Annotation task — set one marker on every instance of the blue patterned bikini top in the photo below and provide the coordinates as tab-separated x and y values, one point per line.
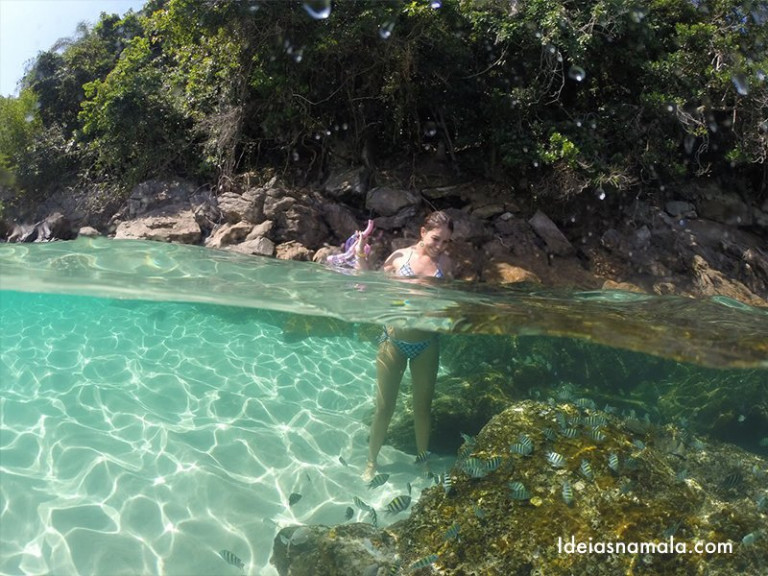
406	270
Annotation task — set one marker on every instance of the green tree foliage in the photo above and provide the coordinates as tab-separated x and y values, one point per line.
569	95
19	125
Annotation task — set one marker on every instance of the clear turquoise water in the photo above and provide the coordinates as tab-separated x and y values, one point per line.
143	428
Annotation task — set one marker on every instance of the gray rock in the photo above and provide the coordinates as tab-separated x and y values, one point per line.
349	184
349	549
163	226
257	247
680	209
228	234
389	201
548	231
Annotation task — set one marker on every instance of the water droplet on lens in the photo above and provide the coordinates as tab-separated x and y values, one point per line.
385	31
741	84
688	143
318	9
577	73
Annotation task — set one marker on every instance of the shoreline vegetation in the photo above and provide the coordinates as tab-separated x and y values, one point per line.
589	145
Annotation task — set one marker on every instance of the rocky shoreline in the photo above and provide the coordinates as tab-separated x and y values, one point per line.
711	245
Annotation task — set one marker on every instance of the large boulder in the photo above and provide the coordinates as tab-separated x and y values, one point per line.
162	225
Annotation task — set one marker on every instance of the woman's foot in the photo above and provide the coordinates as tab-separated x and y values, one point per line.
369	472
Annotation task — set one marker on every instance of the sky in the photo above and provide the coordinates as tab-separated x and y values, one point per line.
28	27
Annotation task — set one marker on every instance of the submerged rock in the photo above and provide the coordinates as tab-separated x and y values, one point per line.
348	550
594	481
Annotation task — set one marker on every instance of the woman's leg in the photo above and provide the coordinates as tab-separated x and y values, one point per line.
390	365
424	375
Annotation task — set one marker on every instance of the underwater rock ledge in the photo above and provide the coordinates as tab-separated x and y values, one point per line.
541	476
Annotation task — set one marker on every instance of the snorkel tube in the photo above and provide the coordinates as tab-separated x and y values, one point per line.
348	257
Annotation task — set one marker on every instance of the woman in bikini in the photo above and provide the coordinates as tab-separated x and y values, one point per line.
401	347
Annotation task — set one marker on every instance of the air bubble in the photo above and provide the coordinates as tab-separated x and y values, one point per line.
638	15
601	194
436	4
318	9
295	156
385	31
577	73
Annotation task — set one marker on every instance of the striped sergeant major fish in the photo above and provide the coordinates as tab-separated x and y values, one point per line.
398	504
423	562
362	505
378	480
422	456
231	559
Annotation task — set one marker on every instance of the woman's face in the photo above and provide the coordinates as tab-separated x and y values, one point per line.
435	240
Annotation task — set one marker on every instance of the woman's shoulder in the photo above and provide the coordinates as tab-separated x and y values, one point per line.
394	259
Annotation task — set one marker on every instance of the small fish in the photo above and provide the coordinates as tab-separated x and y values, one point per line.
567	492
586	470
570	432
751	538
342	461
293	498
452	533
474	467
492	463
517	491
423	562
561	421
733	480
349	513
467	438
526	443
584	403
410	488
422	456
575	421
479	512
398	504
378	480
762	503
613	462
549	434
639	444
763	442
231	559
681	475
595	421
596	434
447	482
556	460
362	505
374	517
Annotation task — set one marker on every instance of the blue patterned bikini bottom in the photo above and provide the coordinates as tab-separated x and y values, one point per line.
408	349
